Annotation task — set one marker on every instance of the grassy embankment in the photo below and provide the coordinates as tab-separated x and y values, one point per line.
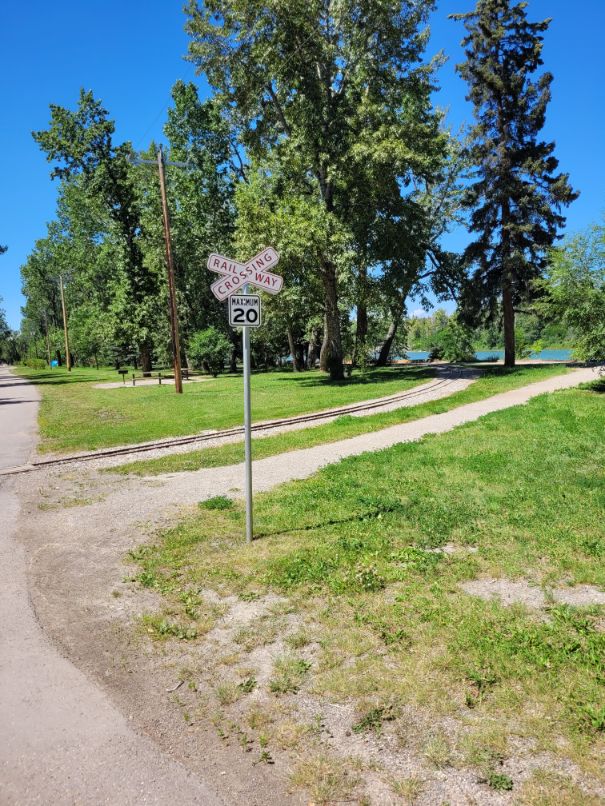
373	616
494	381
76	416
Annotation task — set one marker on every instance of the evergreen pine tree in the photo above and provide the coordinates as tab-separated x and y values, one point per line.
517	197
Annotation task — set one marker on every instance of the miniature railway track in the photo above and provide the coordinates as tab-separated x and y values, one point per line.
269	425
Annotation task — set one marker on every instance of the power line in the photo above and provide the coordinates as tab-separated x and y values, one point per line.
152	124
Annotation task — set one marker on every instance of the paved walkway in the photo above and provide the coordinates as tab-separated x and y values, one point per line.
61	739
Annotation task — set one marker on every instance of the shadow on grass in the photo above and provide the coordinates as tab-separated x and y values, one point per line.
16	382
595	386
499	370
371	514
306	379
373	377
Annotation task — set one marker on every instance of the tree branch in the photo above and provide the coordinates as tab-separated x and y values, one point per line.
278	109
240	168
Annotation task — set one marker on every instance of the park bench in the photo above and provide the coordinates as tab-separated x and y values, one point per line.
187	373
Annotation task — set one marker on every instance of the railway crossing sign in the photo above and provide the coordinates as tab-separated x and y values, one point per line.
245	310
235	276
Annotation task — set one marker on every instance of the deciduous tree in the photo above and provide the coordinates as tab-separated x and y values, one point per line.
329	89
80	144
574	291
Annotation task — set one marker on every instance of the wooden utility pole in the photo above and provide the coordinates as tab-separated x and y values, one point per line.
174	322
67	355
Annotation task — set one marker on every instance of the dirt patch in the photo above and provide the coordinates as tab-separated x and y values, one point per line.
508	593
505	591
451	548
579	596
127	384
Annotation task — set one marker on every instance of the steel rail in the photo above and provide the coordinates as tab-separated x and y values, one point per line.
268	425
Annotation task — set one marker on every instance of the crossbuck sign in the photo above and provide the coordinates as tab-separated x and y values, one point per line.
236	275
245	312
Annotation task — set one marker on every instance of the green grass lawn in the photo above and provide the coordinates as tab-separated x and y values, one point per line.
377	619
492	382
76	416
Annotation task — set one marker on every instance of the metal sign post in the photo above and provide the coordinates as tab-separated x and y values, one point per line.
245	312
247	432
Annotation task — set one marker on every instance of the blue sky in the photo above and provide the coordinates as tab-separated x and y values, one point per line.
130	53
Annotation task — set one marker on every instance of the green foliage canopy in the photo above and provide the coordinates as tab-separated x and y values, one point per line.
338	96
574	291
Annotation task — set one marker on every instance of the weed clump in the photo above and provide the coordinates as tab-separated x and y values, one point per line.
374	719
289	672
218	502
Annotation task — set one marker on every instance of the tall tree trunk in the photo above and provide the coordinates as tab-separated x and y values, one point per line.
299	357
330	359
295	352
314	348
508	317
508	311
361	327
146	358
47	340
385	350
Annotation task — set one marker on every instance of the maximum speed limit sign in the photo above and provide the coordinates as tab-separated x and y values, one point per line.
244	310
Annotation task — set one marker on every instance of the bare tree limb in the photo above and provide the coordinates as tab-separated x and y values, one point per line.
278	109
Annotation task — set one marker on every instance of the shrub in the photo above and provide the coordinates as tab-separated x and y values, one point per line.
209	349
35	363
452	343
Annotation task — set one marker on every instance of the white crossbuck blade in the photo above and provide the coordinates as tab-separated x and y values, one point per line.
236	275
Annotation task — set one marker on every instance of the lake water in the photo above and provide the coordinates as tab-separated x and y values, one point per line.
495	355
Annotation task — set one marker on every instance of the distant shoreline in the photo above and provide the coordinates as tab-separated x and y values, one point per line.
496	355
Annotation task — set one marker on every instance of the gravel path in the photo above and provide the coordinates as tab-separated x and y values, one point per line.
190	487
62	741
448	382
